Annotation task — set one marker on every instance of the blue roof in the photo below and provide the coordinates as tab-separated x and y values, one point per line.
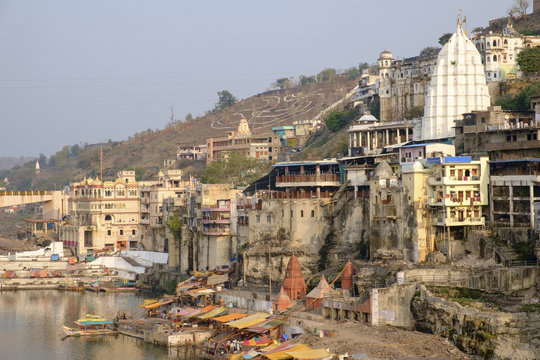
285	127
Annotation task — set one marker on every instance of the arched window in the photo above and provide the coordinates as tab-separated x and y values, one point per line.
108	218
505	42
494	57
494	42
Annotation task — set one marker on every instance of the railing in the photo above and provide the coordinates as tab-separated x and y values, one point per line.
24	193
523	263
292	178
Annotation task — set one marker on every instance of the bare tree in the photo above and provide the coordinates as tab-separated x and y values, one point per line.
519	8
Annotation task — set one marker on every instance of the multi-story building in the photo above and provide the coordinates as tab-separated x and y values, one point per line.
153	194
367	91
457	193
261	146
287	134
103	215
191	152
403	84
500	134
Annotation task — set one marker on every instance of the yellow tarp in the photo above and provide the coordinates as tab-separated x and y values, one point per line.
229	317
309	354
248	321
212	313
285	353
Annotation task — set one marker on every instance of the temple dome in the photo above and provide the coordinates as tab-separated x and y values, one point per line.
458	86
383	170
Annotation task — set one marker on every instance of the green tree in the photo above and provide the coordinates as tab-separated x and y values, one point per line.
281	83
304	80
375	109
338	120
225	100
520	102
236	168
327	75
529	60
75	150
175	225
444	38
415	112
189	117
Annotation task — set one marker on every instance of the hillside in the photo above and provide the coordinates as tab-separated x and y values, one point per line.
146	151
7	163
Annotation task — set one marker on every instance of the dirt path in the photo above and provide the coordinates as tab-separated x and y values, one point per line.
379	342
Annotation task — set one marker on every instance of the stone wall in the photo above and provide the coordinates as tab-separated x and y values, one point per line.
244	299
394	305
505	279
495	335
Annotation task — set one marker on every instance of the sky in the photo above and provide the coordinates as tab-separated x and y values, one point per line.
75	72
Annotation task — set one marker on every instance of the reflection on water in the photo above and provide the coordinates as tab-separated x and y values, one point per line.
31	321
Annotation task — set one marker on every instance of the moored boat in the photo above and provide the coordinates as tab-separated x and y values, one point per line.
91	325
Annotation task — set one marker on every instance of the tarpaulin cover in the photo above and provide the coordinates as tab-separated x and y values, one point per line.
217	279
186	312
248	321
213	313
308	354
284	354
265	326
158	304
257	341
229	317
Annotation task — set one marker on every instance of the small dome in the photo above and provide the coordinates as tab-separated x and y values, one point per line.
386	55
367	117
417	166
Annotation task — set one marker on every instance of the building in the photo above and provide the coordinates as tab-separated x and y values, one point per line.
408	154
103	215
191	152
403	84
264	146
287	135
514	199
457	86
500	134
368	136
367	91
457	193
499	52
153	195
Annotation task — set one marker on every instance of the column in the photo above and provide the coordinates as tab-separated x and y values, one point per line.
398	137
350	140
531	204
360	139
368	140
407	134
387	137
511	204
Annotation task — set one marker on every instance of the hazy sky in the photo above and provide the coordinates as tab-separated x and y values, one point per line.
87	71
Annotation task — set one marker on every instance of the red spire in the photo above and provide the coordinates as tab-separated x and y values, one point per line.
282	302
347	282
294	283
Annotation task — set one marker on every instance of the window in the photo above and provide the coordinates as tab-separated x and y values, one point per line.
121	232
292	213
258	218
269	219
494	58
133	232
108	232
514	137
108	218
312	213
508	138
301	213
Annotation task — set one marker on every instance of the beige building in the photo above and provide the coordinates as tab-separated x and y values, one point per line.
103	214
153	194
403	84
264	146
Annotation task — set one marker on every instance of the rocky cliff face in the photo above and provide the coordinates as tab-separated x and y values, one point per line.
488	335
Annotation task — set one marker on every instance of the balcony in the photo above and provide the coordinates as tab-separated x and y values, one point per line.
472	221
292	180
454	180
144	222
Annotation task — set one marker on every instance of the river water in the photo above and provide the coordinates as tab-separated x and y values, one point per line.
31	321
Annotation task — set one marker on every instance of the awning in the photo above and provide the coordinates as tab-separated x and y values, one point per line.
284	354
257	341
265	326
248	321
213	313
200	292
158	304
229	317
204	310
217	279
187	311
309	354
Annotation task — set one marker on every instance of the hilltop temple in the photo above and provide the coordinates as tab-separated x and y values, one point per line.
458	86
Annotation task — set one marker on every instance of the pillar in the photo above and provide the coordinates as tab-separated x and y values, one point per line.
407	134
531	205
368	141
511	204
360	139
398	137
350	140
387	137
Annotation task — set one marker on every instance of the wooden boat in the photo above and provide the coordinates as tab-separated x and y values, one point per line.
90	325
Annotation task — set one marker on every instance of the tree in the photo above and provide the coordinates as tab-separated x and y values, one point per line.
522	101
189	117
236	168
327	75
529	60
337	120
444	38
415	112
281	83
75	150
519	8
175	225
225	100
304	80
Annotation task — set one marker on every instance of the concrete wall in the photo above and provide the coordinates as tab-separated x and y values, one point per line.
506	279
394	305
245	300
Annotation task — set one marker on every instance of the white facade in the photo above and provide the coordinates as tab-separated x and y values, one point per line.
458	85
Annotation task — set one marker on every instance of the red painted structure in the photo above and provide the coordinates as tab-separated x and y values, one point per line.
350	271
281	302
294	283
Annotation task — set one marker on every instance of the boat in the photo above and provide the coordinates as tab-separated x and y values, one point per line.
90	325
71	285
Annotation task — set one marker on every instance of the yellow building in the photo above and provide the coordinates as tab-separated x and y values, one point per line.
103	215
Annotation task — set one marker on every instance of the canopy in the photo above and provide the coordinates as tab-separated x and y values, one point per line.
265	326
213	313
200	292
308	354
264	340
217	279
284	354
248	321
187	311
229	317
158	304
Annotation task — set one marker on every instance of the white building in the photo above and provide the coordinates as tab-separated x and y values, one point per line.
458	85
